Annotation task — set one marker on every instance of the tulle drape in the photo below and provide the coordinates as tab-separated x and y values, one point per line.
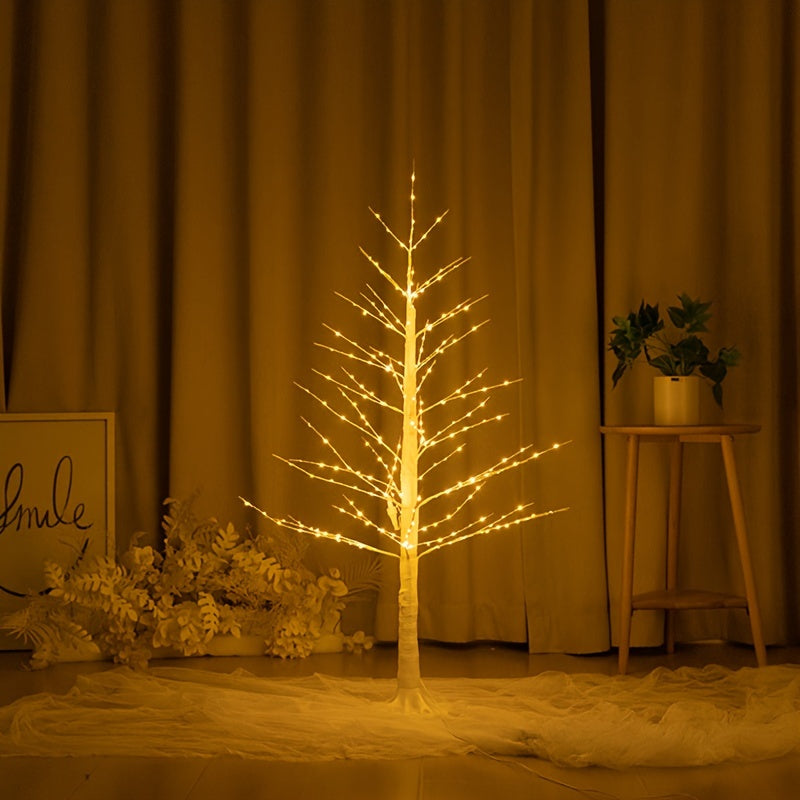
683	718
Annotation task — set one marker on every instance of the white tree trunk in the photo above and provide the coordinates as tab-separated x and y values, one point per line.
408	673
410	691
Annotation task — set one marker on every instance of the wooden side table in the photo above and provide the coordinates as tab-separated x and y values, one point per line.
673	599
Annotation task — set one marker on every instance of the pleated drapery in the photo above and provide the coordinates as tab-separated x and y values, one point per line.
186	186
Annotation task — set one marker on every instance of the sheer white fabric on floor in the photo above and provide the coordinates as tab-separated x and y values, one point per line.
669	718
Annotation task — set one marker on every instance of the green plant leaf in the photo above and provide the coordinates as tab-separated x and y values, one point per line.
664	364
677	316
691	315
689	354
714	370
630	334
619	371
729	356
648	320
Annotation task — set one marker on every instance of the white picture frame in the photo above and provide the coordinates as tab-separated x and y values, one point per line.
57	499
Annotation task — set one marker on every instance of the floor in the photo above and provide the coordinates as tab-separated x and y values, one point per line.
462	778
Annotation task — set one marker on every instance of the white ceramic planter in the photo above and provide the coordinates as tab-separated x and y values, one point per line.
676	400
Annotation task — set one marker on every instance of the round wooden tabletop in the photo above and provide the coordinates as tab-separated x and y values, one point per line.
681	430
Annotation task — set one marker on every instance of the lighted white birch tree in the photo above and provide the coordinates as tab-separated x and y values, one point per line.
400	460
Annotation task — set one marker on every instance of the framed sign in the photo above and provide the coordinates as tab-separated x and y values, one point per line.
56	499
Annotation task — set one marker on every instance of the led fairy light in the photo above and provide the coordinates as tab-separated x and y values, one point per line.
400	466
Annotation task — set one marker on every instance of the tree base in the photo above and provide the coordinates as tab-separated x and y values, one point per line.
414	701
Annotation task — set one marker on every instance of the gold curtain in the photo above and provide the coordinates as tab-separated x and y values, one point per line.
185	187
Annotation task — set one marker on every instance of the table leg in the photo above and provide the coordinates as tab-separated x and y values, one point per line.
626	592
673	527
737	507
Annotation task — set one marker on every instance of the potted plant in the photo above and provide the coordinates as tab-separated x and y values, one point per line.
682	358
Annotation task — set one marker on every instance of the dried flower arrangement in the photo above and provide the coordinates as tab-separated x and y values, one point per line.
209	581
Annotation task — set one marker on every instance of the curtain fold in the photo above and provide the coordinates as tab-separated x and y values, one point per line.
185	186
556	302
